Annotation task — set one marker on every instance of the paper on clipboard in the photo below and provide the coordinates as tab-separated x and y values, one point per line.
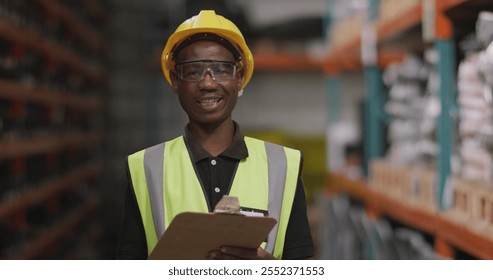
191	236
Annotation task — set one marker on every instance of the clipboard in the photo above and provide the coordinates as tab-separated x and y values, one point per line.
191	235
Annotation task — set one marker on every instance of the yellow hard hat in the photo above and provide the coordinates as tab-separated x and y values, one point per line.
207	21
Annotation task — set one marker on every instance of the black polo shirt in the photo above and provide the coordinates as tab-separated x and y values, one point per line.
216	175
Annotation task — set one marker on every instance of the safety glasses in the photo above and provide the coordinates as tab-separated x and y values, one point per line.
195	70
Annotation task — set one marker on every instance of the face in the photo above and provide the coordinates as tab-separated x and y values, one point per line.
207	101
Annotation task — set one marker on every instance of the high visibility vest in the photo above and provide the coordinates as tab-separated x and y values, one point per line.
165	184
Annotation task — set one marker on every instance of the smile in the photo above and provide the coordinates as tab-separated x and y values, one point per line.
209	102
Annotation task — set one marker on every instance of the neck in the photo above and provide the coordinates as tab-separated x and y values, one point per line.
213	138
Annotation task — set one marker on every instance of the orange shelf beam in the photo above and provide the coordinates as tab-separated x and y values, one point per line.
283	61
351	48
92	38
443	5
335	65
461	237
445	230
14	91
416	217
386	30
412	18
49	189
50	49
50	236
338	62
45	144
392	27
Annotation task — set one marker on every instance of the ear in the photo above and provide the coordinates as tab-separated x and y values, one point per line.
174	81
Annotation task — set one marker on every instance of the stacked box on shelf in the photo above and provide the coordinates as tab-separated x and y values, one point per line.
394	9
413	105
472	185
378	178
482	208
473	205
346	23
411	184
462	207
475	83
346	30
426	194
476	113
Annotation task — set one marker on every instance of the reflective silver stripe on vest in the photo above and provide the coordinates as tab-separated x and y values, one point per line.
153	167
277	164
277	168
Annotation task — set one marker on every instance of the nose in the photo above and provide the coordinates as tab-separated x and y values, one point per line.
208	73
208	80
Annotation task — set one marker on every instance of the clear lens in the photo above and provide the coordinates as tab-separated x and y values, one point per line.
195	71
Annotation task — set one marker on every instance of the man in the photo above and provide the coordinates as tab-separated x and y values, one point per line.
207	63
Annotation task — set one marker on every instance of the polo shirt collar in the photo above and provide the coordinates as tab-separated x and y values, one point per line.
237	150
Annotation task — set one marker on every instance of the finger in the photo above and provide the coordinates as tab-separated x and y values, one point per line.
213	255
264	255
217	255
240	253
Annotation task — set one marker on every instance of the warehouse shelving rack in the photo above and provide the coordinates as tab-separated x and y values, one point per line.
347	57
286	62
448	234
75	180
50	49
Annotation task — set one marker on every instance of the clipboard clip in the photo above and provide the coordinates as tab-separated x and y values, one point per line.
228	205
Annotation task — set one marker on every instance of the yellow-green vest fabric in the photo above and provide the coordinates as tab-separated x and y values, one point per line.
165	184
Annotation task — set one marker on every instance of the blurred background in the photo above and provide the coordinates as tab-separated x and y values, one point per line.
390	102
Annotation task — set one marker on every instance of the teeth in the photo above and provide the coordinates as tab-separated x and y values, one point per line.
209	102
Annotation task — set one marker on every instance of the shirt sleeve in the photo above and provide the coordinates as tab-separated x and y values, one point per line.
298	243
131	240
